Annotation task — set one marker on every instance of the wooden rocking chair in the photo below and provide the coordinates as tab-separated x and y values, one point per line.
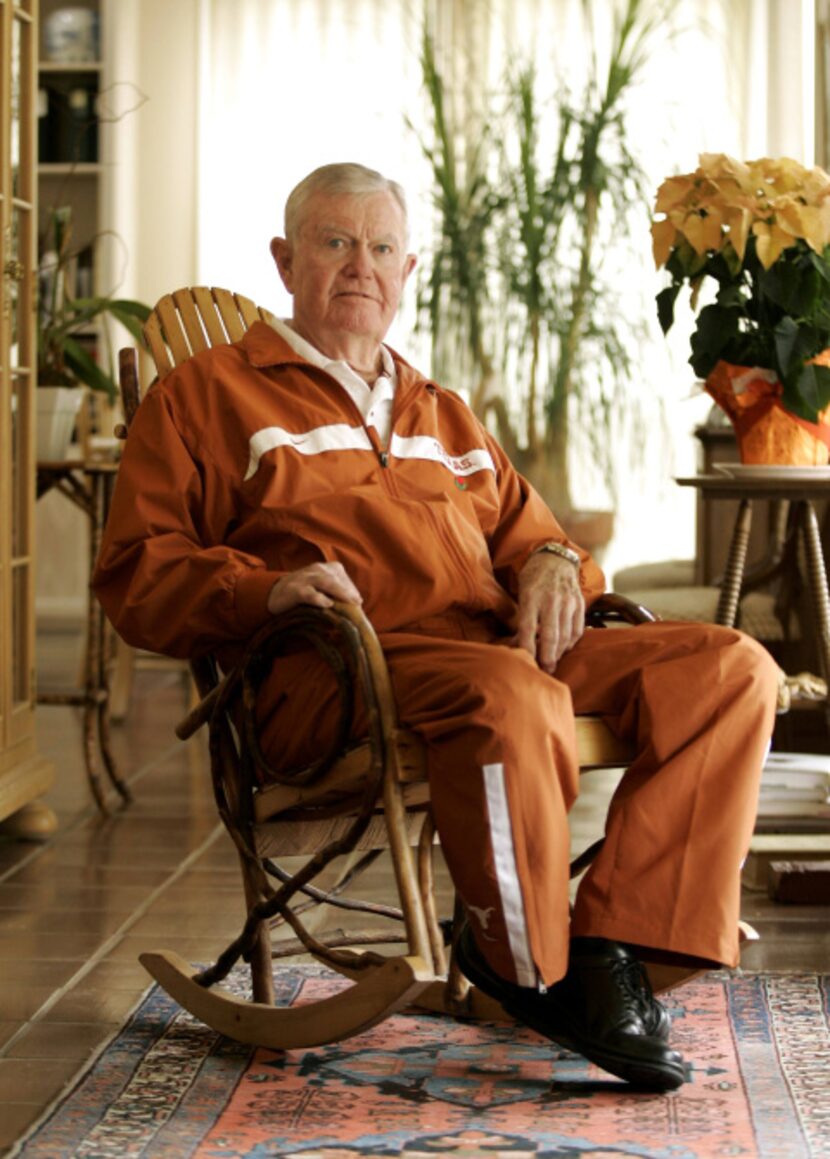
353	801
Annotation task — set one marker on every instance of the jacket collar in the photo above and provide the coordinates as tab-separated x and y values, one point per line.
264	347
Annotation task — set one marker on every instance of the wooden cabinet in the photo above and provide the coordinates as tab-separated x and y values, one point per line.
24	774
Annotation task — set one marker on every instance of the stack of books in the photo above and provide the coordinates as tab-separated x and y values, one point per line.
795	785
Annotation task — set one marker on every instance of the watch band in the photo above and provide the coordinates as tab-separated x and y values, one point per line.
561	550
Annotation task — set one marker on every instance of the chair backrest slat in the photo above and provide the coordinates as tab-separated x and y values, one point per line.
248	310
195	318
203	297
158	347
191	322
229	313
172	329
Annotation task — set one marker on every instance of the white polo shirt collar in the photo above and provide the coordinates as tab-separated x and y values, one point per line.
374	402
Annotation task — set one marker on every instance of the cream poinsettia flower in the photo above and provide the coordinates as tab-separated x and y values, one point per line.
673	191
778	201
664	236
811	222
718	166
703	229
739	222
770	242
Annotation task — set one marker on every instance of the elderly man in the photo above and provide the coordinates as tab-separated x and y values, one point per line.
308	463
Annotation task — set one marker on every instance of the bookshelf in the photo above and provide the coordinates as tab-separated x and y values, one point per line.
71	78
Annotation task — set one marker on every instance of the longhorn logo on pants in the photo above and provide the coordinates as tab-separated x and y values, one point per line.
483	917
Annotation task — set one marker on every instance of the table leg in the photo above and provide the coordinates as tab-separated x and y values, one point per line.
96	709
817	583
730	592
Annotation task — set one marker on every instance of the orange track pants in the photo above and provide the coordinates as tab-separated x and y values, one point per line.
696	700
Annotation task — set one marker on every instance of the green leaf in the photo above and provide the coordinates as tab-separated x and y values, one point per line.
719	267
795	286
794	344
821	263
808	392
665	307
787	347
731	261
684	263
731	295
86	370
131	315
716	328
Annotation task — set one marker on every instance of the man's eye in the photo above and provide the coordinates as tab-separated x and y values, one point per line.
335	243
384	248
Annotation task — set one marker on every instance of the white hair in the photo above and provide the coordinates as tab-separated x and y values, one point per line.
341	177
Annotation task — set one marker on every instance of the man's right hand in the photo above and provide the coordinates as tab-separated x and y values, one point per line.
319	584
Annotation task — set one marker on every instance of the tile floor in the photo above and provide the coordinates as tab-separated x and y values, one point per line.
76	911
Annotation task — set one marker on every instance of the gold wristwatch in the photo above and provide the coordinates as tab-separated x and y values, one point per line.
561	550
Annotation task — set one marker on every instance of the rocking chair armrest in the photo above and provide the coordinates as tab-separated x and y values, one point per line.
200	714
613	607
376	660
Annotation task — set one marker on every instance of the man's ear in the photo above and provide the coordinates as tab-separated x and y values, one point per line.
284	258
409	265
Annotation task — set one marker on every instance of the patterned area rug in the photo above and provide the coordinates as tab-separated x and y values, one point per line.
168	1088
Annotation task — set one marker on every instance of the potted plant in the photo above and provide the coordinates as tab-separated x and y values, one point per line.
519	312
757	234
63	362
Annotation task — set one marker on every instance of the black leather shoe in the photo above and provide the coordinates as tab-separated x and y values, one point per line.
656	1018
594	1010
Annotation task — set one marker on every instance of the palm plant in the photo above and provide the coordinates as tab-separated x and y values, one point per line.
453	294
523	231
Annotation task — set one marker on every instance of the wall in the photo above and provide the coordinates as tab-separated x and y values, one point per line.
150	50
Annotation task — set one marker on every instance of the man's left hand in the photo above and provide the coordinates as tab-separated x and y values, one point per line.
551	608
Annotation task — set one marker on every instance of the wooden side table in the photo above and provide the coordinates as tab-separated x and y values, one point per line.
714	521
801	493
89	486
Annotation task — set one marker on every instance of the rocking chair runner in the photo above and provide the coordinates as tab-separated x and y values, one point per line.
355	801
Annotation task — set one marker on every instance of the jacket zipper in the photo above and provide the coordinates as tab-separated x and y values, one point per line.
449	546
383	459
382	456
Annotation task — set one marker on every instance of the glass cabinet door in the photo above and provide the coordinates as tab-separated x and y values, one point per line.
17	362
22	775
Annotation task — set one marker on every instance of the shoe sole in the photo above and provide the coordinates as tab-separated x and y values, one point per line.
654	1076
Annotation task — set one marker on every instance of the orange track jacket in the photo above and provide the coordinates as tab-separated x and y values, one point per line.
247	462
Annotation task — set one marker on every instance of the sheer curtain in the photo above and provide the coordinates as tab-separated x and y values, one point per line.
289	84
286	85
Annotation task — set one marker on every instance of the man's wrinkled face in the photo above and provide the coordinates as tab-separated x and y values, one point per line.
347	266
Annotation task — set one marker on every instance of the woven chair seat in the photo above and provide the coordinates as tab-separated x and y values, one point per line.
667	573
757	609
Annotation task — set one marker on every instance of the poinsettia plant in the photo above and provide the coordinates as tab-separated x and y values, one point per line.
759	232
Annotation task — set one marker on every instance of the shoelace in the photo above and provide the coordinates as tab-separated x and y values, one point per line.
630	975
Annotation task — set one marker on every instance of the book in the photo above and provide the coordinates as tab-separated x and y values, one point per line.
798	762
795	782
766	848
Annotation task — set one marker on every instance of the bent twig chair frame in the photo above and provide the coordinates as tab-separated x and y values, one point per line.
356	800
